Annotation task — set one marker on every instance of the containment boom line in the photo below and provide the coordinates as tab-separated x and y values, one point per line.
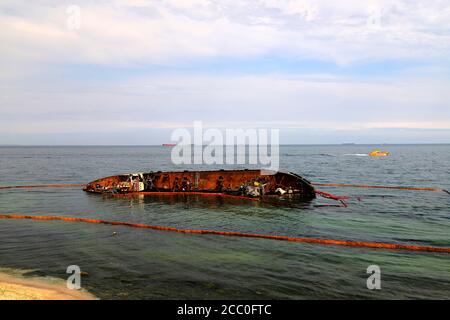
348	243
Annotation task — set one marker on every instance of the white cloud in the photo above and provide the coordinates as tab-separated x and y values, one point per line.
169	31
321	102
95	127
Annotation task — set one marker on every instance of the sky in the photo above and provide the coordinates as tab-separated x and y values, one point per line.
130	72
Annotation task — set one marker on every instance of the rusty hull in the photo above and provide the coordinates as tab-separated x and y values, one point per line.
232	182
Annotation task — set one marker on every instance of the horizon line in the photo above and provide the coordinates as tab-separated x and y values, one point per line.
281	144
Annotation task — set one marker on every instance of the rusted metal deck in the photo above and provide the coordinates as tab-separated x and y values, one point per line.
247	183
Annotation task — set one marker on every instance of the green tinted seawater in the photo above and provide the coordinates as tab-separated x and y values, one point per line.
151	264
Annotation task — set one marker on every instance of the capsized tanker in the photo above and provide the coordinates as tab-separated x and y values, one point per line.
247	183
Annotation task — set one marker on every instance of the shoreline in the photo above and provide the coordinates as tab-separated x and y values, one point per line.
16	287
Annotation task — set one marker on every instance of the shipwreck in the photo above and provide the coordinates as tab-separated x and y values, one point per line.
242	183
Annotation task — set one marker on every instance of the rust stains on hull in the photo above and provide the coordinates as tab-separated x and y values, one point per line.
247	183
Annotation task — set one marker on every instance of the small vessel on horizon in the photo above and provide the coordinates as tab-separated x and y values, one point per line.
378	153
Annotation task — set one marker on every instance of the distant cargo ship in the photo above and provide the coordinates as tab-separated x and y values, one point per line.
169	145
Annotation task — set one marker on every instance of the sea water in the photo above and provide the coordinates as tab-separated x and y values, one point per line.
127	263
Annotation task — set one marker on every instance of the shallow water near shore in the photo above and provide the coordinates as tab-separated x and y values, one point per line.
14	286
146	264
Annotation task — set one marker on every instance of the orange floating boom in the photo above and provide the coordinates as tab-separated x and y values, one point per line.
44	186
338	185
378	245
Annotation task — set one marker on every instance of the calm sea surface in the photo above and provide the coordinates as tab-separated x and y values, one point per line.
147	264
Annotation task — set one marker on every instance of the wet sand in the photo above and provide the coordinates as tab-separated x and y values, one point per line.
19	288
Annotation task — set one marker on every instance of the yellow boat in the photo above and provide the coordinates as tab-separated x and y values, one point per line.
378	153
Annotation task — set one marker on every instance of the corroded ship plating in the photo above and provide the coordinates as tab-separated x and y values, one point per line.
247	183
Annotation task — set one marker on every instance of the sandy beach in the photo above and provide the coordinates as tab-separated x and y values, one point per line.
19	288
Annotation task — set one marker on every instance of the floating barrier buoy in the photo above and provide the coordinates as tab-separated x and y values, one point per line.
38	186
364	186
347	243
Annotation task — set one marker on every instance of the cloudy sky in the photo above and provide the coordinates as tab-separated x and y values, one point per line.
130	72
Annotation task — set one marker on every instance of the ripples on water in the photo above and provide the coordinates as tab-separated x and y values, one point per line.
150	264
